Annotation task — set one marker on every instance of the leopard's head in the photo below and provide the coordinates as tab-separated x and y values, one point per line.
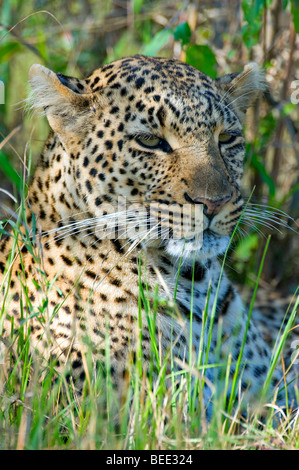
160	135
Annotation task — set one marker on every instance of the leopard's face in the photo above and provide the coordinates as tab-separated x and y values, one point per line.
158	143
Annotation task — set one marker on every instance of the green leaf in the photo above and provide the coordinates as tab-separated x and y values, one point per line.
182	33
8	49
137	5
159	40
9	171
252	10
288	108
246	246
203	58
295	13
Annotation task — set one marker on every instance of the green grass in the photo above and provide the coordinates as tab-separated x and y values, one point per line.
163	409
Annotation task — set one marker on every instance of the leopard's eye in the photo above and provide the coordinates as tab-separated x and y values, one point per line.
153	142
225	138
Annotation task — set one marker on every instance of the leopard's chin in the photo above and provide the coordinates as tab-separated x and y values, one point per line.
207	246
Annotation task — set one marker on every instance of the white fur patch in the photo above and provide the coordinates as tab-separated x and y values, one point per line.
207	248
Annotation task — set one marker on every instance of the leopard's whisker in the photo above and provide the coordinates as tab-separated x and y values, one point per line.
264	211
254	227
237	80
240	97
268	213
262	217
142	237
270	209
97	218
86	221
271	222
75	214
263	223
265	215
93	223
268	221
241	233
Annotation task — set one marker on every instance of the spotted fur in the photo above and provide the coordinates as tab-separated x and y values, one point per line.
100	150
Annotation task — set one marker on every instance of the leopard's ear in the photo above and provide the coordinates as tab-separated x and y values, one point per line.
241	90
64	100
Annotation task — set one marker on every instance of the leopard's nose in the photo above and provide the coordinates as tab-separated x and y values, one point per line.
211	206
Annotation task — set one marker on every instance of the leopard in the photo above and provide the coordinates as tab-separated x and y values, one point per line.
138	189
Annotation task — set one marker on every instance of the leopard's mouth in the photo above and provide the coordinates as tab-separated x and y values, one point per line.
158	227
206	245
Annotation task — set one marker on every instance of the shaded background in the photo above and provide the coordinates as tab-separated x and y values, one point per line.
76	36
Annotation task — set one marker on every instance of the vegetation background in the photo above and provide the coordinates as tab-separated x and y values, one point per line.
218	37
